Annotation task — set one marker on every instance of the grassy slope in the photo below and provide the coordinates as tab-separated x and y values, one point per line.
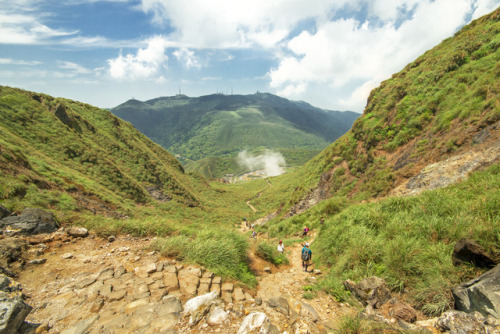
221	126
428	111
91	168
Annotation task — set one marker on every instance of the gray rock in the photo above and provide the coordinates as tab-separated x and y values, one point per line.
111	238
481	294
457	322
310	311
196	302
119	272
38	261
13	311
280	304
31	221
370	291
258	301
11	250
80	232
170	304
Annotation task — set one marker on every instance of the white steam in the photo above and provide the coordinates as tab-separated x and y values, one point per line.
270	161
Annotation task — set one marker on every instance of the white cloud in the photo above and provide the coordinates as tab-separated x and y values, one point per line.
73	68
8	61
146	64
348	53
187	58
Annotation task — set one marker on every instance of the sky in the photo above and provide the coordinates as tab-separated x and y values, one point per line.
329	53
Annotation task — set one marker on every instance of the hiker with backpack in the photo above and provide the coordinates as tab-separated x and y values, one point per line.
305	231
306	256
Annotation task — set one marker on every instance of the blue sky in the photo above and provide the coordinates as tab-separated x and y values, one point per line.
330	53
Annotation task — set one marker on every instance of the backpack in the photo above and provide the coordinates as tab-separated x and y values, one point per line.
306	253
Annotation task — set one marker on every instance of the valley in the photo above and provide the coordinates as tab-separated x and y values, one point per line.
105	231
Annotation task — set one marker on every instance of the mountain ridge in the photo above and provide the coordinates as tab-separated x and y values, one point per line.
220	125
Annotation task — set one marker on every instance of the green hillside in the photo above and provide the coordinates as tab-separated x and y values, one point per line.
444	104
224	125
91	168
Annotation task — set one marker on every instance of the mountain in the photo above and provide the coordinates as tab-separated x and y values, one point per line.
223	125
418	171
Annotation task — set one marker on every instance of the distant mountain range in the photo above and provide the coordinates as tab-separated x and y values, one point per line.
198	129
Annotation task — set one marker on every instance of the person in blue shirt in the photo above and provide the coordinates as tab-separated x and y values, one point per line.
306	256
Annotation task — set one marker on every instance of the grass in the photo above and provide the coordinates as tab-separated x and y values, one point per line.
269	252
409	241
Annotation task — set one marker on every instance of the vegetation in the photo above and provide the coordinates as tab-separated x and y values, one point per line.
269	252
208	132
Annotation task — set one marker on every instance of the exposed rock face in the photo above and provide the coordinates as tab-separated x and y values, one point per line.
481	294
13	309
467	250
257	322
30	221
460	322
370	291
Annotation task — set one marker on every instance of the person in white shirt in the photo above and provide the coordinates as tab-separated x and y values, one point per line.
281	247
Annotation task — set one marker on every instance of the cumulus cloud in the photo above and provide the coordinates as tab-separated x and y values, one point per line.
145	64
348	52
187	58
270	161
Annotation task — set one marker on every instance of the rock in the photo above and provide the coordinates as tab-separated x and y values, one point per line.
189	285
258	301
116	295
267	270
257	322
38	261
217	280
171	282
238	295
31	221
85	282
203	289
119	272
106	274
460	322
82	326
79	232
4	212
404	312
217	316
481	294
171	305
190	271
111	238
310	311
11	250
370	291
280	304
229	287
13	311
467	250
151	268
197	302
67	256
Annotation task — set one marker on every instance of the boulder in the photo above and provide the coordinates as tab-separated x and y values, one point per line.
13	311
404	312
31	221
481	294
467	250
197	302
257	322
460	322
4	212
217	316
370	291
280	304
79	232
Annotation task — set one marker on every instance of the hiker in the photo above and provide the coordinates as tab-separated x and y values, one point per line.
321	220
304	233
281	247
254	235
306	256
